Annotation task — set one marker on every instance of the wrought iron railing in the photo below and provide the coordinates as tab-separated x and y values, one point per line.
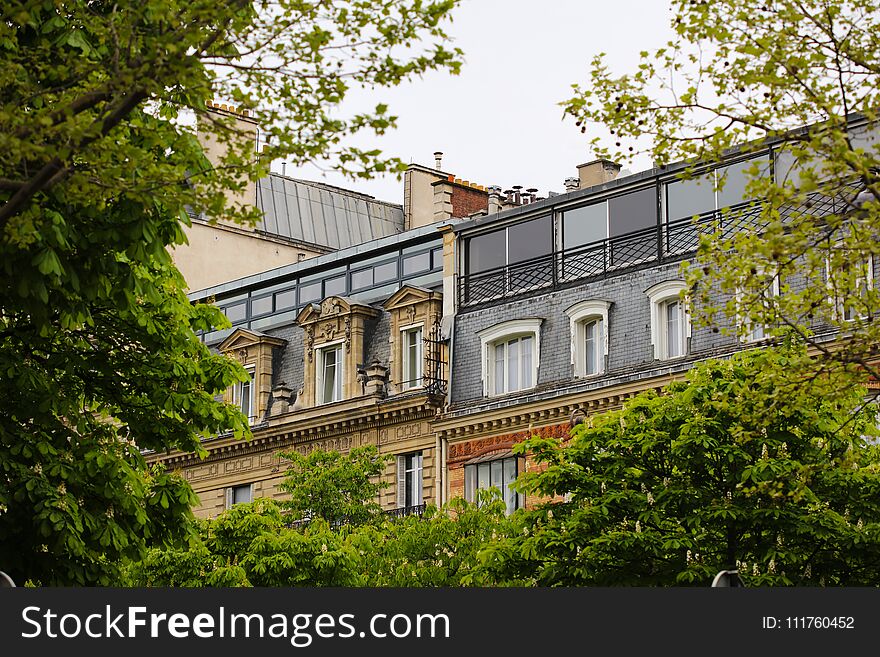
401	512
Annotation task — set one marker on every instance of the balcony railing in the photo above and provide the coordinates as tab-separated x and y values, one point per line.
612	256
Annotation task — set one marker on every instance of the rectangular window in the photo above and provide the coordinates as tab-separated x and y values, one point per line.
594	349
236	312
242	494
329	383
243	396
416	263
412	358
632	212
674	346
385	272
409	480
529	239
261	305
362	278
500	474
309	292
584	225
513	365
285	300
487	251
334	286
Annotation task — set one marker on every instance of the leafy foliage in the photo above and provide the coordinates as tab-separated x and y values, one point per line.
99	167
335	487
741	75
738	466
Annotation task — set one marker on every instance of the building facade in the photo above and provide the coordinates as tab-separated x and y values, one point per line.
446	344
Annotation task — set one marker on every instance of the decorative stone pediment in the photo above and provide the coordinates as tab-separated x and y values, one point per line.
409	295
254	351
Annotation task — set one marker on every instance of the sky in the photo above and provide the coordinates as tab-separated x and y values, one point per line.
499	121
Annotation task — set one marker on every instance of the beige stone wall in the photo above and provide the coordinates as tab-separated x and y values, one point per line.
418	197
218	254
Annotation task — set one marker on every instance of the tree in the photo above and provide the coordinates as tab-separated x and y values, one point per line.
725	470
742	75
98	171
335	487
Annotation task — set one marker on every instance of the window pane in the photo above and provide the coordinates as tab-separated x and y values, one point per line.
330	375
673	339
261	305
632	212
241	494
334	286
584	225
527	349
362	278
486	251
510	496
285	300
529	239
512	365
499	369
497	476
236	312
470	482
416	263
437	258
735	177
483	476
310	292
686	198
590	347
385	272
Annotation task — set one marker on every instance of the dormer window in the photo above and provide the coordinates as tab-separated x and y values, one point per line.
510	356
412	357
589	336
254	351
243	396
330	372
670	321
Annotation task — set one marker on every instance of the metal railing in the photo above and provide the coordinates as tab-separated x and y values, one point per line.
614	255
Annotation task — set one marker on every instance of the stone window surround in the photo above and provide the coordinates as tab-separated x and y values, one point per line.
579	315
507	331
319	370
659	295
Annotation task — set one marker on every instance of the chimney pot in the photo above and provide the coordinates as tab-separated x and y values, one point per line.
438	159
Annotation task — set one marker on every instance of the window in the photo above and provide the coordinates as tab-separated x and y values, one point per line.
670	324
416	263
498	473
409	480
510	356
589	336
329	374
850	305
516	243
243	396
753	331
239	495
412	357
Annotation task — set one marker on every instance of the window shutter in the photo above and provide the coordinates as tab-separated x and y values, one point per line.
401	482
229	497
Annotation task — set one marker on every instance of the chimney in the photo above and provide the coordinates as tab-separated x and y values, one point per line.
494	199
596	172
572	184
438	160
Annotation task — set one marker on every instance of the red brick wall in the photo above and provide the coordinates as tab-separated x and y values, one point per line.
460	453
466	200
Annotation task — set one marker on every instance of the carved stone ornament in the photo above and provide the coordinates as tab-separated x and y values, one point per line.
410	314
242	354
329	330
310	341
348	334
329	307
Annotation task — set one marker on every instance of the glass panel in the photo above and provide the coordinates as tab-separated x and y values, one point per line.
285	300
512	365
632	212
241	494
734	178
334	286
529	239
510	495
385	272
527	347
310	292
486	251
499	369
470	482
237	312
416	263
329	388
261	305
686	198
437	258
497	476
244	398
584	225
590	335
362	278
483	476
673	339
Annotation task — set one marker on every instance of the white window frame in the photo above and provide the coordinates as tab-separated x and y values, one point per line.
472	483
419	482
747	329
660	295
579	315
505	332
319	371
839	307
230	495
405	382
237	394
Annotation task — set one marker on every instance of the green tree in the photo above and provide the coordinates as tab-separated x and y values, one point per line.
335	487
739	76
727	469
99	166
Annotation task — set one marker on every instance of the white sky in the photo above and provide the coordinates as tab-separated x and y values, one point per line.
499	121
